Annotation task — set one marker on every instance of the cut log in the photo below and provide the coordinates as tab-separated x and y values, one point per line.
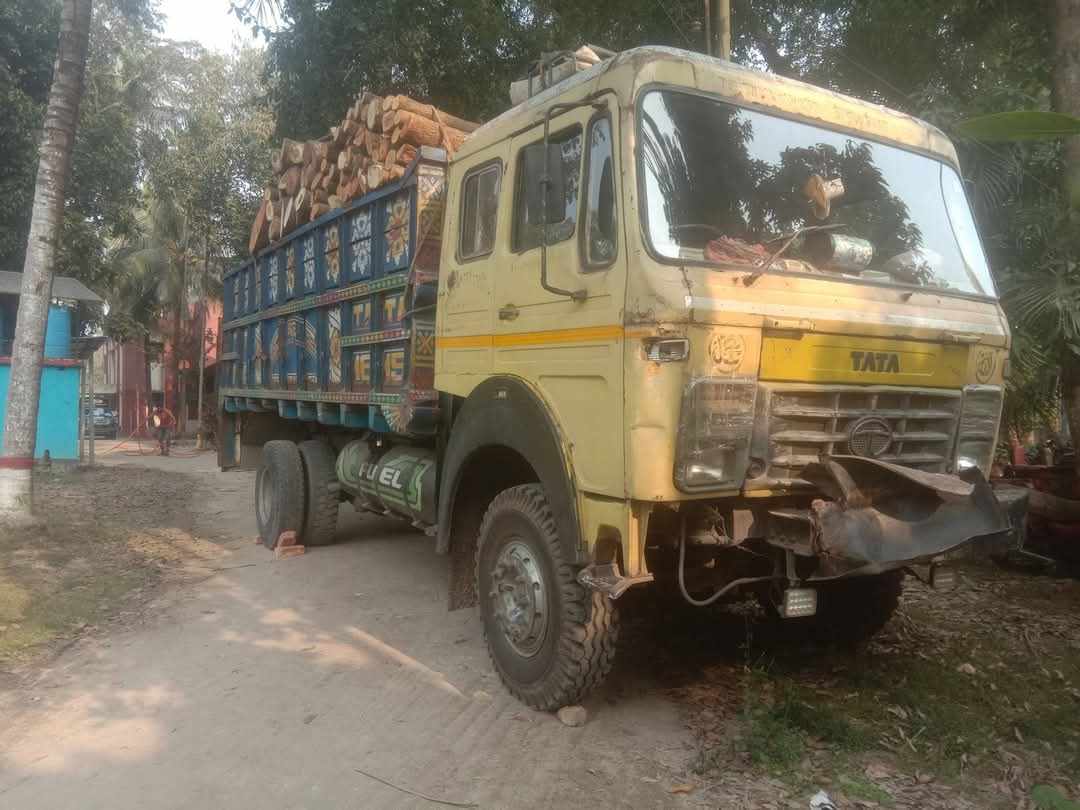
260	230
330	179
289	220
319	210
318	196
335	201
377	146
290	181
292	153
428	111
373	113
419	131
309	174
1053	507
349	160
379	175
404	155
302	205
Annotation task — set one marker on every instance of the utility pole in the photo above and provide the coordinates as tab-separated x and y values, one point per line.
723	26
718	28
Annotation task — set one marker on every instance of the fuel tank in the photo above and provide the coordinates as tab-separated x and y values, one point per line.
400	480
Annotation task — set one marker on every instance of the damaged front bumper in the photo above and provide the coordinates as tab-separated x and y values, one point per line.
881	516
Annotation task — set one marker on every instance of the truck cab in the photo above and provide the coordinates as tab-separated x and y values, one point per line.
696	328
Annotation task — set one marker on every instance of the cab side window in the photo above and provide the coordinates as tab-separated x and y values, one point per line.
527	222
479	209
600	212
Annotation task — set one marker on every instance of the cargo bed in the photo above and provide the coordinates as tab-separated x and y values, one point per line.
335	324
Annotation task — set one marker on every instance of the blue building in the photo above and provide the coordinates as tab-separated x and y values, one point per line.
61	377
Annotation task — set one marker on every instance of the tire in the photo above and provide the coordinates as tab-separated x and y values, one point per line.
320	487
851	611
563	645
279	492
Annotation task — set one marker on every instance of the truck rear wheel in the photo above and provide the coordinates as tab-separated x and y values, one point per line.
550	639
323	504
279	492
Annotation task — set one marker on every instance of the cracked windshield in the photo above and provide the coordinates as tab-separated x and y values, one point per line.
733	187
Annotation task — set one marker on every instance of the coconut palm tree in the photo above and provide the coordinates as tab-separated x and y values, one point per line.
169	251
54	171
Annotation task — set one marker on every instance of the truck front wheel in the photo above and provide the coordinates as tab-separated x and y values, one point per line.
550	639
279	492
851	611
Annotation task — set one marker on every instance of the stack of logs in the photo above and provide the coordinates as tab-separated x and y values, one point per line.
373	146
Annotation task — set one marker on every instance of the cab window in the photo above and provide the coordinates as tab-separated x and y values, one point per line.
599	230
479	209
527	223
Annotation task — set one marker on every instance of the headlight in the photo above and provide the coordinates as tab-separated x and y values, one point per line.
976	438
714	434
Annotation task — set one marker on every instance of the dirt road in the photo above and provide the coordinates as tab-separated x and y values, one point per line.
265	684
204	673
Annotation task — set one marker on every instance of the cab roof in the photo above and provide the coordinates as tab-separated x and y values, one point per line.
630	71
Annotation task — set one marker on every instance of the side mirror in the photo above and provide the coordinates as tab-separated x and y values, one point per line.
545	200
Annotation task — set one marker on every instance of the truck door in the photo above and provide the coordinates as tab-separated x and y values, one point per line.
571	349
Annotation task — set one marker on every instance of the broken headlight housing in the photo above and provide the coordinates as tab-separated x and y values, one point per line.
976	438
714	434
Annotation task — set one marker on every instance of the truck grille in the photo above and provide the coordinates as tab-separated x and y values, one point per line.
805	422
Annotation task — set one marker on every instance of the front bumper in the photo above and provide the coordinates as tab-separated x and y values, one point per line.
881	516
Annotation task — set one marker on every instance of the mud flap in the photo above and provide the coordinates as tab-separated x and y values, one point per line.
880	515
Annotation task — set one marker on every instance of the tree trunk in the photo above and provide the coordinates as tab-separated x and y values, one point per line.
178	321
202	329
54	169
1066	28
148	380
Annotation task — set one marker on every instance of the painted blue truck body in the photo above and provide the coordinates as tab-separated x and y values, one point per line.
335	324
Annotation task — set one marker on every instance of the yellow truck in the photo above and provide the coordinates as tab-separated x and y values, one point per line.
667	323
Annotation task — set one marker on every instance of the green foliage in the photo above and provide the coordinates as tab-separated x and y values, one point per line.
1021	125
28	36
1046	797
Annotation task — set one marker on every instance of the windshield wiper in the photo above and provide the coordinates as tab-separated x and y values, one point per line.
750	279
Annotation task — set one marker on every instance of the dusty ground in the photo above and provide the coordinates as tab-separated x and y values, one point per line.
266	684
167	661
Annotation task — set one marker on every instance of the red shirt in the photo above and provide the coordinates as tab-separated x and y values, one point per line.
164	418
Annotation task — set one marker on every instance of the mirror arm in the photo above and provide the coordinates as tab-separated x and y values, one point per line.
545	186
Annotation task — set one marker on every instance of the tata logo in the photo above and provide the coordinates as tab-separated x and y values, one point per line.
880	362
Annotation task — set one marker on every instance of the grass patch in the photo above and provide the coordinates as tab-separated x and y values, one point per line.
772	741
963	692
857	787
83	569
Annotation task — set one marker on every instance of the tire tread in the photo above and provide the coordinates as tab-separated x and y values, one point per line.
321	512
589	626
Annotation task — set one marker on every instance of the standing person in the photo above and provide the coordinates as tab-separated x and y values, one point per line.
164	422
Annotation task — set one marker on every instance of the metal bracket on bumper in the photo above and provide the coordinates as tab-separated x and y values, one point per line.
606	578
881	515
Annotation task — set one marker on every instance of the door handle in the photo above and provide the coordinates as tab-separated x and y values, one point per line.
508	313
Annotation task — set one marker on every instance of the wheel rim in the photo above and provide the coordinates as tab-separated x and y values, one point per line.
519	598
264	501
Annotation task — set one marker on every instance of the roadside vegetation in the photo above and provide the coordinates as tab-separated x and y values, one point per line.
967	699
112	535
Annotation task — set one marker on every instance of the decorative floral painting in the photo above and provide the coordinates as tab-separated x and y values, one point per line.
333	255
397	233
290	272
309	264
334	329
